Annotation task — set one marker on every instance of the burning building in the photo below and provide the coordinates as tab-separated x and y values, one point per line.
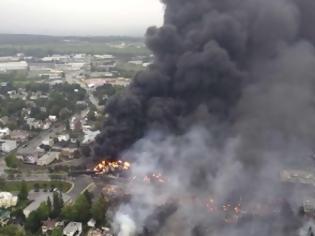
226	104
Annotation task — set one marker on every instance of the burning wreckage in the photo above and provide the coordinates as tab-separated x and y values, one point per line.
226	105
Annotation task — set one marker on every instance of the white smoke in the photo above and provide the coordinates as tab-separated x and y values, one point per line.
307	229
124	225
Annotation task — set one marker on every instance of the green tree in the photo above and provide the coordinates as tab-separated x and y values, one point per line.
89	196
11	230
68	213
79	211
57	232
23	194
35	218
11	160
49	205
36	187
57	205
81	207
98	211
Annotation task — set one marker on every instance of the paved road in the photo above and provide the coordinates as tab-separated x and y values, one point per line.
2	165
80	184
71	78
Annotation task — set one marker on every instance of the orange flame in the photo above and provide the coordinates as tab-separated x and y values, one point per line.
107	166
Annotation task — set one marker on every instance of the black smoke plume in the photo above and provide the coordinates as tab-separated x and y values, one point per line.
227	104
206	54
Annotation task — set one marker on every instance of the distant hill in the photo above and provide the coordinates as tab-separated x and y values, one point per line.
42	45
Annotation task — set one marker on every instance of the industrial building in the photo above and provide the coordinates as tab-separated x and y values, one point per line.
13	66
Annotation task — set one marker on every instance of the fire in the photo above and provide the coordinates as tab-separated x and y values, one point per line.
105	167
155	178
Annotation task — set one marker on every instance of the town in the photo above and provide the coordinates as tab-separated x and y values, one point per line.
51	110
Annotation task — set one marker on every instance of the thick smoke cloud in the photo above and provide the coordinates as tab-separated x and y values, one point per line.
227	104
206	55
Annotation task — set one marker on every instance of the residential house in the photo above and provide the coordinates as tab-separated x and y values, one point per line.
73	229
20	136
7	200
4	217
48	158
52	118
7	145
48	225
4	132
63	138
75	123
89	136
91	223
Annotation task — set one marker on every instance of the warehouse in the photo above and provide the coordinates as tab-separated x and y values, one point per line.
13	66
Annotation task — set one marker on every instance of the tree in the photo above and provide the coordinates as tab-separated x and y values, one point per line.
11	230
79	211
98	211
23	194
57	205
49	205
35	218
68	213
57	232
81	207
11	161
36	187
89	196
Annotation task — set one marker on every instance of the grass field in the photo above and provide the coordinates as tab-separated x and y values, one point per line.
15	186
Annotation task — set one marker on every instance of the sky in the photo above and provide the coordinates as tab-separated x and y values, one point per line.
80	17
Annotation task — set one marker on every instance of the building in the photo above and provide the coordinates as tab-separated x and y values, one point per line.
7	200
48	158
68	152
20	136
75	123
63	137
42	197
4	217
91	223
89	136
73	229
52	118
7	145
48	225
13	66
4	132
29	159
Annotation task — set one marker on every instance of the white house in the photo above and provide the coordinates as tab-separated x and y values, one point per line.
73	228
52	118
63	138
7	145
4	132
48	158
7	200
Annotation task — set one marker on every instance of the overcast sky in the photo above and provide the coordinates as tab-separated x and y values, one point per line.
79	17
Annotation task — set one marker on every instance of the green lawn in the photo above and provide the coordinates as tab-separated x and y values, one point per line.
15	186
